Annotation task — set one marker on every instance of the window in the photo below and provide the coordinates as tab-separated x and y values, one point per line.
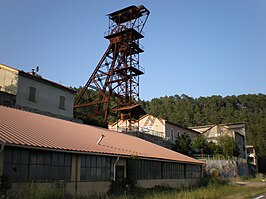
16	164
193	171
172	135
60	166
62	100
49	166
32	94
172	170
148	170
35	165
95	168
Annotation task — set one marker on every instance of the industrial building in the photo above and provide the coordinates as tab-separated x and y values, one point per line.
37	148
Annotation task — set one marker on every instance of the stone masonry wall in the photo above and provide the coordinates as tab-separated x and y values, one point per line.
227	168
7	99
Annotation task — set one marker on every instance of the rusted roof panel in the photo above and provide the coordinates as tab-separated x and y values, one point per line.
29	129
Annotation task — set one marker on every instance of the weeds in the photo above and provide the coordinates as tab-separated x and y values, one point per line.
208	187
43	191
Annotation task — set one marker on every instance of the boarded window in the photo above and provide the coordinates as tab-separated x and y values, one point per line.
32	94
62	100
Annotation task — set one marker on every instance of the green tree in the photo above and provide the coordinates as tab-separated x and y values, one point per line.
200	145
187	111
228	146
183	144
213	148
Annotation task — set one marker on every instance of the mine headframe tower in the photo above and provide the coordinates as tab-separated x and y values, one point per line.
117	74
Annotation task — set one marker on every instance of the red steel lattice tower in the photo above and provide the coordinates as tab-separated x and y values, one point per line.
117	74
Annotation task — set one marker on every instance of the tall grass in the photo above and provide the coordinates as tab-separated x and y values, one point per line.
208	188
210	192
42	191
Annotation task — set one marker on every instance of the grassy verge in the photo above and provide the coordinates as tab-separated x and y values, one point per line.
214	188
222	191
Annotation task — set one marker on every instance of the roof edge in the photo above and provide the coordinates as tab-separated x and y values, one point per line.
46	81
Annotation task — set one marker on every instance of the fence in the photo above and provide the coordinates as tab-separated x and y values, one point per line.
218	157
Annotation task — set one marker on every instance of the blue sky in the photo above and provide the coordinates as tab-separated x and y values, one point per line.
192	47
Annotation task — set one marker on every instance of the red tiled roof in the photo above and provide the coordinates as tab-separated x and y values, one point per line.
32	130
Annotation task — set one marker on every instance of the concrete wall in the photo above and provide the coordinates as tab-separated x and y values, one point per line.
227	168
94	188
174	183
47	97
89	188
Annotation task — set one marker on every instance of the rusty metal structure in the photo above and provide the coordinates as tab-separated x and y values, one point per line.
117	74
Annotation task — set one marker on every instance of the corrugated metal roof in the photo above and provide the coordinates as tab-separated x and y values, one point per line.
29	129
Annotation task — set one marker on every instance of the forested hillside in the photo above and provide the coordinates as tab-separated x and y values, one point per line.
188	111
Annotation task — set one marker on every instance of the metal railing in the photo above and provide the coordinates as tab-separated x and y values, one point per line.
218	157
117	30
136	129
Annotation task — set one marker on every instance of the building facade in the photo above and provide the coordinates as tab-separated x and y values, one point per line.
234	130
32	91
85	159
150	124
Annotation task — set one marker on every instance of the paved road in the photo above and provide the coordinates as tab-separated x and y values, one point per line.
262	196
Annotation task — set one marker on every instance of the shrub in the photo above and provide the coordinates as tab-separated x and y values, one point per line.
246	177
212	179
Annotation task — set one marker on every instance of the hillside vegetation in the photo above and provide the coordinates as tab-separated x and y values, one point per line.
188	111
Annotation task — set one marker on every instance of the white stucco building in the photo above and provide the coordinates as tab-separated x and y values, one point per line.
33	91
150	124
235	130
